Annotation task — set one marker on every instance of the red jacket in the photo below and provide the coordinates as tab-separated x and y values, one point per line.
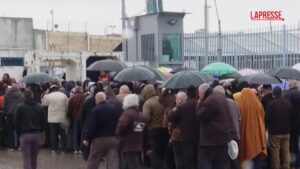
74	106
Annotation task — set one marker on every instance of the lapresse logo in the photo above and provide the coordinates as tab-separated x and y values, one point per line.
266	15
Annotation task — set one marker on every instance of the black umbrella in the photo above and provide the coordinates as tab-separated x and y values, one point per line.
260	78
180	69
158	75
107	65
285	73
36	78
235	76
135	73
184	79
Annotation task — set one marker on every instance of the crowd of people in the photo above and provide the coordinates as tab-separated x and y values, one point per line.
134	125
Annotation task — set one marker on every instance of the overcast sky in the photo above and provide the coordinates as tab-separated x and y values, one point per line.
100	14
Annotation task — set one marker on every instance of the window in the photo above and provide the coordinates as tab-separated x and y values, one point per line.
147	47
172	47
12	61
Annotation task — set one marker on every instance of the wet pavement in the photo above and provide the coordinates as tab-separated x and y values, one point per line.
13	160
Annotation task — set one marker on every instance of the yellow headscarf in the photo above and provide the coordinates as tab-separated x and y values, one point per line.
253	131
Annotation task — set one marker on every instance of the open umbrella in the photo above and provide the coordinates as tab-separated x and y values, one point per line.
260	78
218	69
285	73
158	75
180	69
297	66
135	73
36	78
163	69
247	71
184	79
235	76
107	65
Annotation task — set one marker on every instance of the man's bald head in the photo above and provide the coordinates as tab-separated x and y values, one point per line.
100	97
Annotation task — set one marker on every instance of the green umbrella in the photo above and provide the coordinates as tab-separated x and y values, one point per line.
218	69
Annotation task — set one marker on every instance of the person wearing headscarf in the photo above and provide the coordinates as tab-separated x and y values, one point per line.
252	144
130	129
158	135
124	91
240	86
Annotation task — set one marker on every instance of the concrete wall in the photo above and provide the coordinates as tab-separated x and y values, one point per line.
148	25
39	39
78	42
16	33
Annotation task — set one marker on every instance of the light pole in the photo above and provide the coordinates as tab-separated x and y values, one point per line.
219	34
206	33
85	26
124	42
51	12
69	36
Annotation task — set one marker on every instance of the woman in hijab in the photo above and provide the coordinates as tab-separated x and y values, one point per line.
253	146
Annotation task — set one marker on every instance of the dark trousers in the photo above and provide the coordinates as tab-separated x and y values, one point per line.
132	160
2	137
189	153
213	157
178	156
57	130
294	149
12	141
30	144
257	162
159	139
77	138
103	147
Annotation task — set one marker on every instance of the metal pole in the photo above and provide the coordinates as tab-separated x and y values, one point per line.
124	43
69	36
51	12
219	42
206	33
284	46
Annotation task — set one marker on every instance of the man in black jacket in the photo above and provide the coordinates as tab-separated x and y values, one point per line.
101	126
293	95
30	120
215	129
278	124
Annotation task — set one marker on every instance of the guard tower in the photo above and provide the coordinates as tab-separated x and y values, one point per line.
156	37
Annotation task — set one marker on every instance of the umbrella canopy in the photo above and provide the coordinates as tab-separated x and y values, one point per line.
260	78
184	79
247	71
36	78
180	69
297	66
158	75
285	73
163	69
218	69
107	65
135	73
235	76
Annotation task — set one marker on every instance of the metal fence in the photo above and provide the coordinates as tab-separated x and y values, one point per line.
260	49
